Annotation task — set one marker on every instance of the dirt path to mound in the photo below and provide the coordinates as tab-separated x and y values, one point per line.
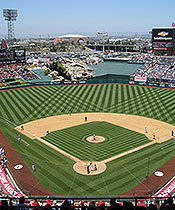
24	178
38	128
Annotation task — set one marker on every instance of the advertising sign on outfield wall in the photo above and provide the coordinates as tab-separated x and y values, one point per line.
140	79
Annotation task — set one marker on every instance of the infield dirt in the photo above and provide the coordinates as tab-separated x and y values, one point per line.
38	128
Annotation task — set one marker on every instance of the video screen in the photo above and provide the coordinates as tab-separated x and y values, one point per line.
6	55
162	44
12	56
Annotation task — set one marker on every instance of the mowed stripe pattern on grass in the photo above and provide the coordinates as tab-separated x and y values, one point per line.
118	140
54	171
24	105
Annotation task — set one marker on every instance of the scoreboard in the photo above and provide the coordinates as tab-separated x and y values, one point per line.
163	39
12	56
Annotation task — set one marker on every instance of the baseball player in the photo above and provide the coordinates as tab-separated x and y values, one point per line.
94	168
172	133
154	136
19	137
33	167
146	130
88	171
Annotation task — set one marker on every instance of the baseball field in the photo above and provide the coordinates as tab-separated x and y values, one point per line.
144	106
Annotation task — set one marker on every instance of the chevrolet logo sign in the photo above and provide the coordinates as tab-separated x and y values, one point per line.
163	33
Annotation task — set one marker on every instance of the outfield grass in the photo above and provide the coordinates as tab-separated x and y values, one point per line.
117	140
54	171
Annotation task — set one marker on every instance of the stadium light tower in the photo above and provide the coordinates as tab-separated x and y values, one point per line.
10	16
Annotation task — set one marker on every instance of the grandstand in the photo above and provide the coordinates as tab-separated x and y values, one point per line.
14	72
159	68
131	164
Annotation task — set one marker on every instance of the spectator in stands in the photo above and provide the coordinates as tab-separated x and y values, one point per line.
92	205
154	67
13	71
114	205
141	203
82	205
164	204
152	206
102	206
22	204
128	205
66	205
4	205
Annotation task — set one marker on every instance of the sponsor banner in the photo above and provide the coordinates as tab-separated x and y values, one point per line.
142	83
163	38
68	82
159	48
82	82
7	186
167	189
140	79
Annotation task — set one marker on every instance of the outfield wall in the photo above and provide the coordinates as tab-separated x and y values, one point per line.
83	82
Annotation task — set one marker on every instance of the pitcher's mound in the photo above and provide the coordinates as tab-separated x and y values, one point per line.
81	168
98	139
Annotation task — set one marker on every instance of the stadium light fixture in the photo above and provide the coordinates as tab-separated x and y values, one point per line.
10	16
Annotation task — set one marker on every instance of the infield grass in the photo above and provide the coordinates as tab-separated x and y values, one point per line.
117	140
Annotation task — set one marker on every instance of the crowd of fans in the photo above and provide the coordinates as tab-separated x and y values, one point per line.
12	71
3	162
39	204
150	59
154	67
3	158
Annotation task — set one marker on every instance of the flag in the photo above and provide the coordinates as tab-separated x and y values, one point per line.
4	45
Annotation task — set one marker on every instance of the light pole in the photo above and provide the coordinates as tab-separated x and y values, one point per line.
10	16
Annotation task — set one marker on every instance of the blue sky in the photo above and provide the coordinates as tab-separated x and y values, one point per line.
42	17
